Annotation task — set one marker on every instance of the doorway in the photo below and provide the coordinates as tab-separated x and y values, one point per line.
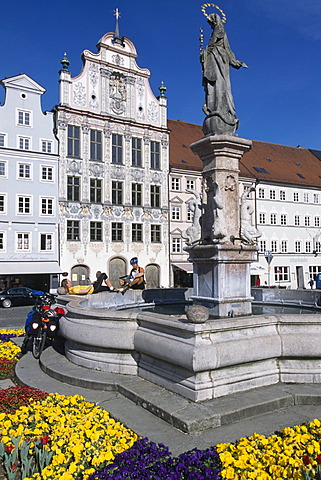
80	275
300	277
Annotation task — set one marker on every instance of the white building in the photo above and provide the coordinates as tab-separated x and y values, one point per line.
287	205
28	188
113	188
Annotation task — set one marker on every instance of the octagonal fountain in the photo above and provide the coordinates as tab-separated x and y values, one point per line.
199	361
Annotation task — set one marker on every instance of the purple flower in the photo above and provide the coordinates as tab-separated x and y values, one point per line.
5	337
146	460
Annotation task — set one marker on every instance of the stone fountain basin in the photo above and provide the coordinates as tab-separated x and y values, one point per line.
198	361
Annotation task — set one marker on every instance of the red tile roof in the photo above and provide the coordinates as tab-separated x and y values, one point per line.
265	161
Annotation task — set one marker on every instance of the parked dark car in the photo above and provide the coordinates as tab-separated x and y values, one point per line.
16	296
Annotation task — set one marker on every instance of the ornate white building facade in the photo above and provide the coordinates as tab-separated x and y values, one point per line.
114	162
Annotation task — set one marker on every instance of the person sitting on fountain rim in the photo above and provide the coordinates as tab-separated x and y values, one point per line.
135	279
67	287
97	284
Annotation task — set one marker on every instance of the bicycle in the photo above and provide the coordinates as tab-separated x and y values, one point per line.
42	324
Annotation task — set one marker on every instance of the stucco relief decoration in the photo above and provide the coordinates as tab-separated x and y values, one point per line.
85	233
137	175
96	170
156	177
117	211
137	212
117	172
85	211
97	211
140	112
152	112
96	247
93	100
140	87
74	209
230	183
93	78
79	94
106	212
157	248
73	247
137	249
62	124
156	214
117	59
74	167
128	212
117	93
62	209
117	247
93	74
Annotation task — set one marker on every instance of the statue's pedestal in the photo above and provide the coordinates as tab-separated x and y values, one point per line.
222	278
222	259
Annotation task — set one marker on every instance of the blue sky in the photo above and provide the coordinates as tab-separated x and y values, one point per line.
277	98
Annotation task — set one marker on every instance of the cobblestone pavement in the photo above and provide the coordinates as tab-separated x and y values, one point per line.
13	317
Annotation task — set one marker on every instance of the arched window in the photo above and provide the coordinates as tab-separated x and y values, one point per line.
117	268
152	275
80	275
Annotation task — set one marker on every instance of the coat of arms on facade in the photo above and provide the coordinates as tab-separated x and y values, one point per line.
117	93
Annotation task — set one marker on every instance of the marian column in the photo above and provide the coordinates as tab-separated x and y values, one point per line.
226	245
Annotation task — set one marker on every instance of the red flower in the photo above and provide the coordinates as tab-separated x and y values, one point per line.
44	440
9	448
306	460
319	459
14	397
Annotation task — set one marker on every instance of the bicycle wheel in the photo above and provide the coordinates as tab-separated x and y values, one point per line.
38	344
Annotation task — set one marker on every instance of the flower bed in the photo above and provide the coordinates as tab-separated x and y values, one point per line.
9	352
7	366
81	435
15	397
146	460
67	438
6	334
283	455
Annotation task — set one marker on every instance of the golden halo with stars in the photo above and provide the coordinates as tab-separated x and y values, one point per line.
206	5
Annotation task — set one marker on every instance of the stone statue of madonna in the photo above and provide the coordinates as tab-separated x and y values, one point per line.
216	60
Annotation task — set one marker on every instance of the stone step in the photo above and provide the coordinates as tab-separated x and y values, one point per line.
263	410
183	414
